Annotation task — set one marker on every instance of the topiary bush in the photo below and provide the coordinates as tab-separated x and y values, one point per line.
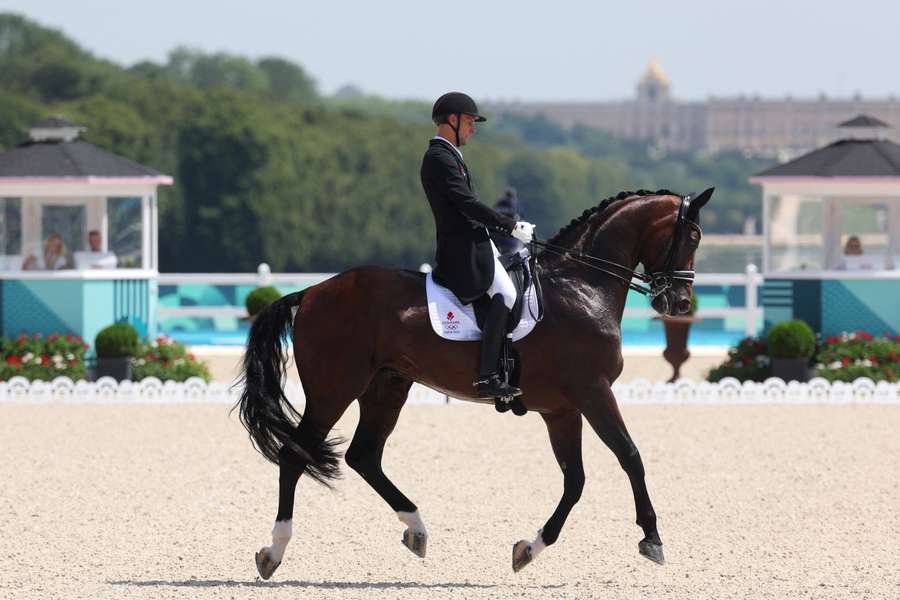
791	339
117	341
260	298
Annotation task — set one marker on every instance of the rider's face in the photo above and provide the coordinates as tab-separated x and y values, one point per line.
466	128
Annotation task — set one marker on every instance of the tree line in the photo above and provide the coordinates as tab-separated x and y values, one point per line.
268	169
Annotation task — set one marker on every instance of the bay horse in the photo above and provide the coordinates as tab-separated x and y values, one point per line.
365	334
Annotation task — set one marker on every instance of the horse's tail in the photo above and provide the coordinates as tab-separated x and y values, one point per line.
265	411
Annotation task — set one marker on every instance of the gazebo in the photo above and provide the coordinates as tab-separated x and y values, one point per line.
831	221
78	236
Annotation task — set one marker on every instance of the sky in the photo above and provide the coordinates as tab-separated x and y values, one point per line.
525	50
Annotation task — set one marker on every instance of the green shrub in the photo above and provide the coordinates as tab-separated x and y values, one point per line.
166	359
695	304
791	339
260	298
117	341
36	357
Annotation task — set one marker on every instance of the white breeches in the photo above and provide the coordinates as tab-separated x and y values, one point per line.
502	283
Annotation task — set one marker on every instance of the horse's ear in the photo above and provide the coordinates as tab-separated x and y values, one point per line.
698	203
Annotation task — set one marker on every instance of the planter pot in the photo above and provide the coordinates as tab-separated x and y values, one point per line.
117	368
677	331
791	369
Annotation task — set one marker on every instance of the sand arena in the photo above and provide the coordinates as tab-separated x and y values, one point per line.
169	501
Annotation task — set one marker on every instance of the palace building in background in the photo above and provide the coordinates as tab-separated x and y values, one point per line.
781	128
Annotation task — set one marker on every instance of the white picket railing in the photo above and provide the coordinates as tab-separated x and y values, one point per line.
728	391
750	279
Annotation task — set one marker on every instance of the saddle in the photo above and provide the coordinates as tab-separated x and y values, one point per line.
453	320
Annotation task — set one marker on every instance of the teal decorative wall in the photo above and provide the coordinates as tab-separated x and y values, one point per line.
834	306
76	306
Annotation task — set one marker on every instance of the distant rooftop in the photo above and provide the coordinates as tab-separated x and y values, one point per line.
53	150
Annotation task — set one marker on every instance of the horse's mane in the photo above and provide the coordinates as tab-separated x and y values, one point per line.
588	213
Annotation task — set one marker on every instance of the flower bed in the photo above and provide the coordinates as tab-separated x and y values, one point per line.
748	361
850	355
38	357
166	359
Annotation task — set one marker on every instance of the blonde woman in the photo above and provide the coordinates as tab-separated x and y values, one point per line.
54	257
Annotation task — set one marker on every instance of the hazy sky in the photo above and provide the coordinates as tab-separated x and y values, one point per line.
556	49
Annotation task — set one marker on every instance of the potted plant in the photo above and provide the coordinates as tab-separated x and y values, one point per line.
260	298
116	345
677	331
791	345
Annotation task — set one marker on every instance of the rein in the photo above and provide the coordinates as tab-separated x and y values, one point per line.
659	281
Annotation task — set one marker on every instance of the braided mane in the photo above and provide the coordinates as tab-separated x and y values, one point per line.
587	214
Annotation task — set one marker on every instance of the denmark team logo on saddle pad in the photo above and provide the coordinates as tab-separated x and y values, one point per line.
454	321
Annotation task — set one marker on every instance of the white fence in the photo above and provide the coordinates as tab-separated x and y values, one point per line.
750	279
728	391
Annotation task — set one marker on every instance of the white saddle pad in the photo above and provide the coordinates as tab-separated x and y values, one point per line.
454	321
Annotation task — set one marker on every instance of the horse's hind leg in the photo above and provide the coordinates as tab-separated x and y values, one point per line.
310	433
565	437
379	409
602	412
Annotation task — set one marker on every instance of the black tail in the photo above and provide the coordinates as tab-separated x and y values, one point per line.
264	409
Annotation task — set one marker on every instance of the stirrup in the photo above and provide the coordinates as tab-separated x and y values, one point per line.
493	387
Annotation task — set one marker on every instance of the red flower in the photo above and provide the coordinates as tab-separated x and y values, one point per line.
14	360
831	339
45	359
746	360
845	361
866	336
69	337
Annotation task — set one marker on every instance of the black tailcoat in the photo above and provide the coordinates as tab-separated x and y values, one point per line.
465	261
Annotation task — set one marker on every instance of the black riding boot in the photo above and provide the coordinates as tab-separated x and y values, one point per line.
492	335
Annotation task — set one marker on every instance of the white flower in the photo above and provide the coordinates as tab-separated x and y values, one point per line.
762	360
37	360
819	366
70	356
28	356
835	365
60	366
863	363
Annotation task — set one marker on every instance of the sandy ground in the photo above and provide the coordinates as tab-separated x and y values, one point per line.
168	501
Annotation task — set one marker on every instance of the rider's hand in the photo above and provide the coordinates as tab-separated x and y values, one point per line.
523	231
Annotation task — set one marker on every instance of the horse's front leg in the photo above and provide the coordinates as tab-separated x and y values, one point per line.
565	437
602	412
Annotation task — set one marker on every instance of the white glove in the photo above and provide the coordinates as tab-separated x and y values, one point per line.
523	231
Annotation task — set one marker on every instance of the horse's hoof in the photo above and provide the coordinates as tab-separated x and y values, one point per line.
521	555
652	551
518	407
264	563
416	542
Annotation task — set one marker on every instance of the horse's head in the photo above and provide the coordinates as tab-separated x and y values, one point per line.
668	248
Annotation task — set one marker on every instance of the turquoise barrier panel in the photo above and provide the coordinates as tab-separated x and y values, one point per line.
42	306
869	305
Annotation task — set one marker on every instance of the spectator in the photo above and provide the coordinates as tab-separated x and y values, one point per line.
95	257
853	247
55	256
507	205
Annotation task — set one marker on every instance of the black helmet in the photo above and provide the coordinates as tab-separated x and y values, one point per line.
454	103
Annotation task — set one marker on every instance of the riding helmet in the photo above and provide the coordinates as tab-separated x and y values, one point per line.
455	103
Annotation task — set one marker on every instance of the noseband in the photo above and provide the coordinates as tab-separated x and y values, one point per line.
659	281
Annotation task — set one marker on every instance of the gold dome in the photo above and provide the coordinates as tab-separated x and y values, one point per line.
654	72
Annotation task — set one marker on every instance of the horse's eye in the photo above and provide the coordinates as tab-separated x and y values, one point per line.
695	238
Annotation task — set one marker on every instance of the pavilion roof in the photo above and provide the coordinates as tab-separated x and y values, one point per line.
844	158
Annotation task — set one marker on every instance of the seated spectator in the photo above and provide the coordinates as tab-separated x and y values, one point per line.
96	257
55	256
853	247
507	204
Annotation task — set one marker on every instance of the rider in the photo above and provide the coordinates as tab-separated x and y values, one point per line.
466	258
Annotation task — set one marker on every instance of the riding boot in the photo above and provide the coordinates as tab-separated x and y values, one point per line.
492	335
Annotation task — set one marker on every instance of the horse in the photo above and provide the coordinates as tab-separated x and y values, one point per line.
364	334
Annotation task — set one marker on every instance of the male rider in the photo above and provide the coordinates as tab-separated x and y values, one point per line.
466	258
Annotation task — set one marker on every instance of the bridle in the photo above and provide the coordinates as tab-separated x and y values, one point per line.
659	281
